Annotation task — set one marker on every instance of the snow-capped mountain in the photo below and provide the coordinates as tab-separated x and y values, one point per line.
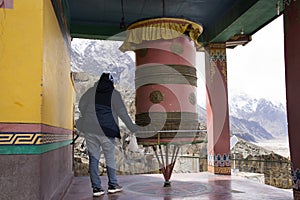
256	119
251	119
96	56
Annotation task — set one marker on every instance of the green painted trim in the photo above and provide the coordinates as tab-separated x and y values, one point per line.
32	149
63	21
259	14
237	10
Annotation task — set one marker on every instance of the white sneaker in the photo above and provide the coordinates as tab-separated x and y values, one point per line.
98	192
114	189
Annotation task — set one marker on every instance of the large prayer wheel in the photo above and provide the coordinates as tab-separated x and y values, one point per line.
165	79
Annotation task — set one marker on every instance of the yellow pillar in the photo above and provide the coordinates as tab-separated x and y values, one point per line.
36	104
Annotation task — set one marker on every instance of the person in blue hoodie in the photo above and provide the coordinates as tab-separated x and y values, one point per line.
101	106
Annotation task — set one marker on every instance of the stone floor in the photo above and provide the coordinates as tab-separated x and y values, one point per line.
189	186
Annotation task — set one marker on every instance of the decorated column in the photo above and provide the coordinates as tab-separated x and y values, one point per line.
292	75
218	134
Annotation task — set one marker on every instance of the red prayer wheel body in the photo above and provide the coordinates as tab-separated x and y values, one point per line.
166	86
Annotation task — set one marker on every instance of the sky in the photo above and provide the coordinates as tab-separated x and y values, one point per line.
256	69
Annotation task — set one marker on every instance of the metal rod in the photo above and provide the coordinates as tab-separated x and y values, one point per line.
154	149
173	154
171	131
158	138
167	172
161	154
177	152
167	155
122	5
164	167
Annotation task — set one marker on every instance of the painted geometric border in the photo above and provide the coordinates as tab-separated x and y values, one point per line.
218	59
295	178
32	138
219	170
219	160
20	138
219	164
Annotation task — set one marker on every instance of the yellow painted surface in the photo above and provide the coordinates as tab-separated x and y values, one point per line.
58	90
20	62
35	82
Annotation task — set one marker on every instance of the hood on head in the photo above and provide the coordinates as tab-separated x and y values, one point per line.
105	83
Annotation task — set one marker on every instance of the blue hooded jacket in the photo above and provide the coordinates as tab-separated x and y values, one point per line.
108	107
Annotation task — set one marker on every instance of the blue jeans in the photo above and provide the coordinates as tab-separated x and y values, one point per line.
95	143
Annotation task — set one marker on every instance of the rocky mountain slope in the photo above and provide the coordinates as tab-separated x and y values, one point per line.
257	119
